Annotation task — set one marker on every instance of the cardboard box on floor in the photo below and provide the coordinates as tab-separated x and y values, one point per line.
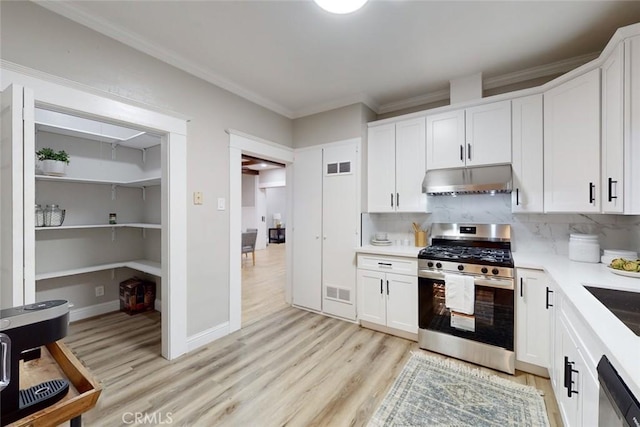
137	295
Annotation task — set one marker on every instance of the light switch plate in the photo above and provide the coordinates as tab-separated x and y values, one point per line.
221	203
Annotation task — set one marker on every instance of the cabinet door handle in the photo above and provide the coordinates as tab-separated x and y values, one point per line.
469	151
547	305
387	288
461	153
568	376
397	200
391	199
381	291
521	293
611	196
385	264
517	197
592	193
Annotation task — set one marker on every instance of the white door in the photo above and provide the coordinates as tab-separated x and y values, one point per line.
307	229
341	226
572	145
532	321
381	179
612	185
445	140
372	296
410	165
488	134
527	153
17	151
402	302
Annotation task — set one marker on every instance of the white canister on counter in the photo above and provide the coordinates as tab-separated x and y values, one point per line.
584	248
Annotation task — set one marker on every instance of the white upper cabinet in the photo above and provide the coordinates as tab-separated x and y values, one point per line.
488	134
572	145
396	167
473	137
527	144
620	129
632	126
445	140
381	157
612	132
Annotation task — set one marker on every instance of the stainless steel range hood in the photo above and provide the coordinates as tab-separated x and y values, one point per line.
471	180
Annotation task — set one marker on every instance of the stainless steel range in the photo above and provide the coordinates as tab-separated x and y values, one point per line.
466	294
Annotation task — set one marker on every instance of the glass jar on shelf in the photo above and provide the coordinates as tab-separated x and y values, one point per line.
39	216
53	216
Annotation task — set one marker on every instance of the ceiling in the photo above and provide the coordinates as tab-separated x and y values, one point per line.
296	59
253	165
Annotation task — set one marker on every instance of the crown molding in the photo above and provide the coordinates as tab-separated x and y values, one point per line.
415	101
74	13
532	73
50	78
339	103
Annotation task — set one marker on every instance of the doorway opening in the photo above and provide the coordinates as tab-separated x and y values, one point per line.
275	258
264	201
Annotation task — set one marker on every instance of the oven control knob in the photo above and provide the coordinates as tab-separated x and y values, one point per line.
495	271
438	265
429	264
460	267
484	270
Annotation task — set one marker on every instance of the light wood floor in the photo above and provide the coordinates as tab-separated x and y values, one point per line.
285	366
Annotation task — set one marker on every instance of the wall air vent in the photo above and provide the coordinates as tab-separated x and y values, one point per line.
339	168
338	294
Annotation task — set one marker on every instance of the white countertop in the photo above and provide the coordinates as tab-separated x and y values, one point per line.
570	276
393	250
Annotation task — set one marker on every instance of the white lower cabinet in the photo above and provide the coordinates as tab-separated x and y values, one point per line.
385	297
532	318
578	387
574	375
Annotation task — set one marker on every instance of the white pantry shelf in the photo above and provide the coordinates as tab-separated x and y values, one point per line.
144	265
82	226
146	182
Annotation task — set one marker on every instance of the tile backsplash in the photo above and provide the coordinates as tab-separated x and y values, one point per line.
530	232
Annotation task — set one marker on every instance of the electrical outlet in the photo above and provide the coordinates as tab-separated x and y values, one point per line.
197	198
99	291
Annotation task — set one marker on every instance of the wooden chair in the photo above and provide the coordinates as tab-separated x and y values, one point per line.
249	243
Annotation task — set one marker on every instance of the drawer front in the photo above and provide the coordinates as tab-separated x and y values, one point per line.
390	264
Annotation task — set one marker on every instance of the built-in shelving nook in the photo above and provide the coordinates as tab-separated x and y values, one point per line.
125	160
112	170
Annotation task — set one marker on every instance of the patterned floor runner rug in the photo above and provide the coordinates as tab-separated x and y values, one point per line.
434	392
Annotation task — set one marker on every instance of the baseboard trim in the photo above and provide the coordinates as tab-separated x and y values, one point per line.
94	310
207	336
532	369
391	331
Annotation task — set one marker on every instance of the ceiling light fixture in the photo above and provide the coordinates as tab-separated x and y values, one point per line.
340	6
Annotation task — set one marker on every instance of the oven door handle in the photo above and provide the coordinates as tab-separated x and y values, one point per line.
495	283
478	281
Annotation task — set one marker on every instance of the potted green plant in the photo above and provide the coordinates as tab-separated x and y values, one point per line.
53	162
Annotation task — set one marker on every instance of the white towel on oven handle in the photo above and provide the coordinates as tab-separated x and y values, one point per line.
459	293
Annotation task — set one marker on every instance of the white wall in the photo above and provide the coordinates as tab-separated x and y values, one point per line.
36	38
276	203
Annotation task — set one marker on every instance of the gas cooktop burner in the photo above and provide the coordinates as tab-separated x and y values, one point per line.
468	254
